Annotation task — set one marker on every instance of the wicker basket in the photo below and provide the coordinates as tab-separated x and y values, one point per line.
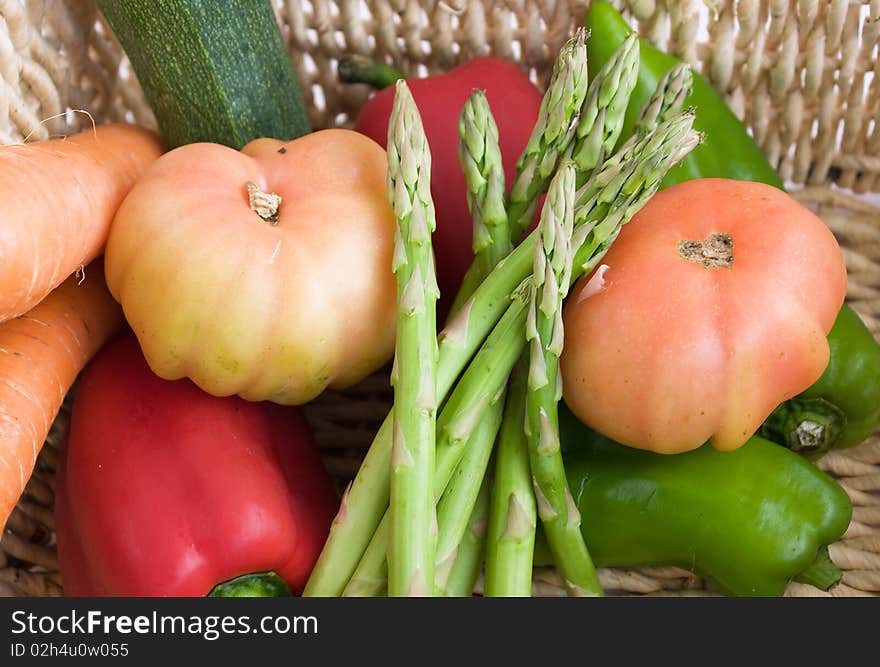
804	75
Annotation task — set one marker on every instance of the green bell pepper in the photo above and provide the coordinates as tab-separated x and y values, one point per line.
842	407
750	520
727	151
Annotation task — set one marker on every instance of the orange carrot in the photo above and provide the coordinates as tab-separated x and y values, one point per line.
57	200
41	353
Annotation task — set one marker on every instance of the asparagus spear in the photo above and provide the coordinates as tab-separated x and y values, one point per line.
553	132
411	537
512	513
668	98
455	505
367	497
601	121
627	180
605	199
480	158
550	280
465	569
469	558
598	127
479	387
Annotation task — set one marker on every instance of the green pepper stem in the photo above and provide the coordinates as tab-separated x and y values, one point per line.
821	573
255	585
805	425
360	69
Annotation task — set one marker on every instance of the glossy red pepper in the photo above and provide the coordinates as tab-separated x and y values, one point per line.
164	490
514	101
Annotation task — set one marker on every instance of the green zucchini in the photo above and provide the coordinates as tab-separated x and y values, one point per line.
211	71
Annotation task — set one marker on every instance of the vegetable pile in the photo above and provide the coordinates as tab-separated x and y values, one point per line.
612	338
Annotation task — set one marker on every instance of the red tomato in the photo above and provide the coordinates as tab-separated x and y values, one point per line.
713	307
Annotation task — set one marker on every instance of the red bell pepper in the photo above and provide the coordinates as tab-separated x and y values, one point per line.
164	490
514	101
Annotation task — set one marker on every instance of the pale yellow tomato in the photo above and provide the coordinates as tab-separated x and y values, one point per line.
269	307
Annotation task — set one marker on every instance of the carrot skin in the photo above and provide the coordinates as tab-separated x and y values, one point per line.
57	201
41	354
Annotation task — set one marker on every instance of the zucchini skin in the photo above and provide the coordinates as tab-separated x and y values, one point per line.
211	71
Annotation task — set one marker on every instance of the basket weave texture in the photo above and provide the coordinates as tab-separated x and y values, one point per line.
804	76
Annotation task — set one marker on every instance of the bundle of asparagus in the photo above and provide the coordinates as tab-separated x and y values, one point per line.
414	520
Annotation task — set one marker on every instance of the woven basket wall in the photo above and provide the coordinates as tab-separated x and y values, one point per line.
805	77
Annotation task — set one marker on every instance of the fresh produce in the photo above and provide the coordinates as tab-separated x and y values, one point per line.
750	520
211	74
512	516
41	354
471	550
412	540
254	273
361	69
440	99
840	409
257	585
550	281
745	285
612	196
573	115
727	150
807	422
465	498
479	153
553	130
164	490
58	200
513	512
264	273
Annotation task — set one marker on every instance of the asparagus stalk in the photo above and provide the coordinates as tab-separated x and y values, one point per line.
469	559
367	497
550	280
456	504
512	514
615	194
553	132
626	181
412	534
667	99
480	386
480	156
464	572
601	122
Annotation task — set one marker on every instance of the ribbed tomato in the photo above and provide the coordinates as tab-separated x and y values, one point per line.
245	294
710	309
